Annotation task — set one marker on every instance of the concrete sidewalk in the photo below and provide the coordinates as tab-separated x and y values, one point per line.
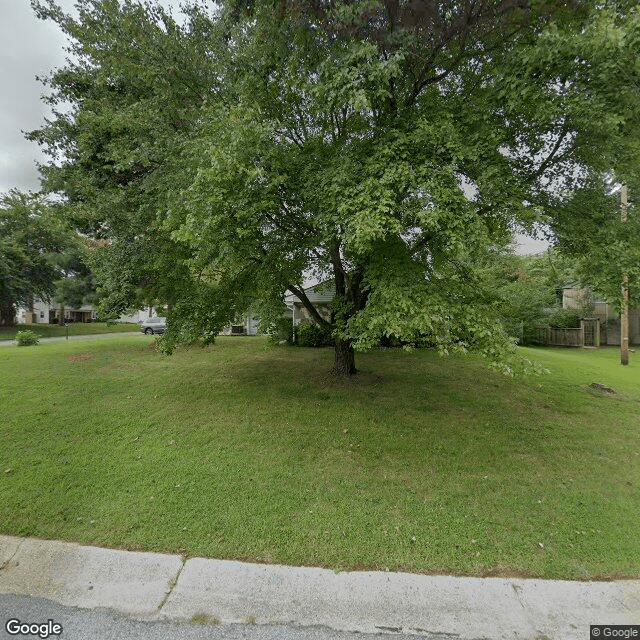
153	586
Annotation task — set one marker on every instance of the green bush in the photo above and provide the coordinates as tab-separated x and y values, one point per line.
27	338
567	318
281	331
312	335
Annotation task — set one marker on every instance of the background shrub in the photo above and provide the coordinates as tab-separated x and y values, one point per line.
27	338
567	317
281	329
312	335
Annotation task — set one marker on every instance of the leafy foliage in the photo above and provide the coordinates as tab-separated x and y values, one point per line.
309	334
529	290
280	330
27	338
561	318
30	237
76	288
136	84
605	248
587	221
389	147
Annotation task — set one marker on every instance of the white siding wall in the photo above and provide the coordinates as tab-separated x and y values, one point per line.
252	326
138	316
42	309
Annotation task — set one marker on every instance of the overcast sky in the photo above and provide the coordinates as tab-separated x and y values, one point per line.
28	48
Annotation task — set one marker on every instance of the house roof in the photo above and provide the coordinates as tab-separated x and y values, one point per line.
321	292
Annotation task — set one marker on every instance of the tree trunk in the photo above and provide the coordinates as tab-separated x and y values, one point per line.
344	364
7	313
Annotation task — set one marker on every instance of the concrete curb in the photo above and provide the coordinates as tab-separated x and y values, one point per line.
135	584
153	586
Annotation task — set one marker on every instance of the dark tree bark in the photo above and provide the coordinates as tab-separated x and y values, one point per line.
344	363
352	299
7	313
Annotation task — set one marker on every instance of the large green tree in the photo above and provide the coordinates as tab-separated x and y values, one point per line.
124	109
385	145
587	221
605	248
30	238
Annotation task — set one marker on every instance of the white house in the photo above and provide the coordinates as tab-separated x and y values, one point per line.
42	312
46	313
248	326
320	295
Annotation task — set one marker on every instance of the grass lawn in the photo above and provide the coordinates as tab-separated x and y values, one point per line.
244	451
75	329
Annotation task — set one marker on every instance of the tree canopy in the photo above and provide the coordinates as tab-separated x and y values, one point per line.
30	238
587	221
530	290
389	146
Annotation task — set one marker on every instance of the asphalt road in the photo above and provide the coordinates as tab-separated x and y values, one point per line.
91	624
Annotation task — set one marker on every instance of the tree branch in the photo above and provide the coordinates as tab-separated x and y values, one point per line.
338	270
308	305
541	169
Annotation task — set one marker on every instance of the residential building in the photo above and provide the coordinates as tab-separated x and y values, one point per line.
246	326
320	295
574	297
41	312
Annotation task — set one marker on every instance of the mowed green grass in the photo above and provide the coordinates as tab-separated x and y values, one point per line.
239	450
75	329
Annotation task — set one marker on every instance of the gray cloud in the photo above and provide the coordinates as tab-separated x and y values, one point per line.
28	47
526	245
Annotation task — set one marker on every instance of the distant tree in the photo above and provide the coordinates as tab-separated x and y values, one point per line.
587	221
76	286
137	82
30	237
528	289
388	146
605	248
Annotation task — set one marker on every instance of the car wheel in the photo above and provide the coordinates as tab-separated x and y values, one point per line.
148	331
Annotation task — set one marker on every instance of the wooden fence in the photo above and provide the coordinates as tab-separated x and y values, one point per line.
560	337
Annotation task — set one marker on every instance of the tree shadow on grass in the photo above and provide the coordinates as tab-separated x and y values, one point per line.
452	409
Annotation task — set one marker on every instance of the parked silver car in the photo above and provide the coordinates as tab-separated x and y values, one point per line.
153	325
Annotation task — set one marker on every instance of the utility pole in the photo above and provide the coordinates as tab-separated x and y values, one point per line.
624	312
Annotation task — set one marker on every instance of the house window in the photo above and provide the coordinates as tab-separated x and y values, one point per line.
42	314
